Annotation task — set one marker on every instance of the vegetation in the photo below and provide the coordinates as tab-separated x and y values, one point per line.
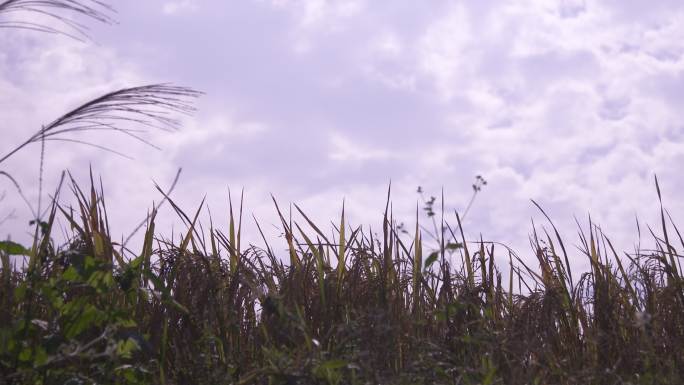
348	308
345	306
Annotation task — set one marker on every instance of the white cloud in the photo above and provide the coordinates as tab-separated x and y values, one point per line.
317	18
574	103
564	108
317	13
174	7
387	44
446	51
345	149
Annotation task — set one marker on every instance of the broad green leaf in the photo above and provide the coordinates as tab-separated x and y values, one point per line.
71	275
13	248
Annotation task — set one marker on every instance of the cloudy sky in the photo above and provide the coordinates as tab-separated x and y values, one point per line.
573	103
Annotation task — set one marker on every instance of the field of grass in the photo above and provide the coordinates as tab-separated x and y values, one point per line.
347	307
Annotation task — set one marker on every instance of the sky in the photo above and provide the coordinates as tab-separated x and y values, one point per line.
575	104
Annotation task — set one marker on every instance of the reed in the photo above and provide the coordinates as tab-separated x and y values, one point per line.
346	307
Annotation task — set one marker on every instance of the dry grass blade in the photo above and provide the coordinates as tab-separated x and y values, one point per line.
154	210
55	10
19	190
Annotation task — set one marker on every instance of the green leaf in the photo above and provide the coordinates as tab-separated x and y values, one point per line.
20	292
90	317
71	275
25	355
136	263
13	248
41	356
333	364
126	348
432	258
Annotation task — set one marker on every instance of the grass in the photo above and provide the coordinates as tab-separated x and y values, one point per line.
350	307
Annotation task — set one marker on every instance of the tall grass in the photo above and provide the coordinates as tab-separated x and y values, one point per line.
346	306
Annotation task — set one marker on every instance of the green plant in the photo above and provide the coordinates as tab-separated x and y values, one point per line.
207	309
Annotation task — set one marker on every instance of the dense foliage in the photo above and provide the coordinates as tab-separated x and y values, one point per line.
348	308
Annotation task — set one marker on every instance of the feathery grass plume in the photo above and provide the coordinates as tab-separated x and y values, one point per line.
55	10
149	106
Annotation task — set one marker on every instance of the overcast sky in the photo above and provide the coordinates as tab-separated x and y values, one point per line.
573	103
